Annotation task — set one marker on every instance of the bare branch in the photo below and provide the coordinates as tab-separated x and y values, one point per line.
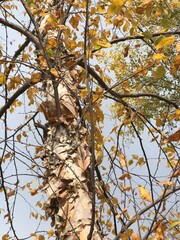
22	30
14	96
123	39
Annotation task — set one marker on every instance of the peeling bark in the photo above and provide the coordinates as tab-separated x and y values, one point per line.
67	157
67	162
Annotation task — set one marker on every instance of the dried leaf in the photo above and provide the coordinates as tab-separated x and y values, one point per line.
175	137
176	174
127	188
11	193
19	137
125	175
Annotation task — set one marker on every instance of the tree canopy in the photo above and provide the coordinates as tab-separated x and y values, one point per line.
91	86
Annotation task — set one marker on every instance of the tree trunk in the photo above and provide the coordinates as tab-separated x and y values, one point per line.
67	157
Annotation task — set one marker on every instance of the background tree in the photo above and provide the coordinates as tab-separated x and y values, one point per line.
90	109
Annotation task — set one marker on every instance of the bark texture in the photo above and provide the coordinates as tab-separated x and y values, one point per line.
67	156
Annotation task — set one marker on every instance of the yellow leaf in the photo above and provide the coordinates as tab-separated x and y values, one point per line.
36	77
166	182
118	3
25	57
2	79
31	93
74	21
41	237
140	161
36	11
50	233
165	42
33	191
115	6
102	44
109	224
101	8
127	121
135	236
5	237
178	46
108	212
54	72
146	1
160	56
115	200
177	112
39	204
135	156
122	159
174	224
144	194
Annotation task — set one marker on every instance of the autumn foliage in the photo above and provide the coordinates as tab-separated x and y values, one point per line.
90	116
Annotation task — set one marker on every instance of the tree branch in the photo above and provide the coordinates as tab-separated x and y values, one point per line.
145	210
14	96
22	30
123	39
121	96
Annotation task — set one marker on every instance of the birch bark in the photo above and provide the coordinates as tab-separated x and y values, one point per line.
67	157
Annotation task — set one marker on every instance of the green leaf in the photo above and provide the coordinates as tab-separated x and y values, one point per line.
147	34
159	73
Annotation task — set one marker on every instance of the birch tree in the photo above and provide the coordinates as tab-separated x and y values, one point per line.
96	83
